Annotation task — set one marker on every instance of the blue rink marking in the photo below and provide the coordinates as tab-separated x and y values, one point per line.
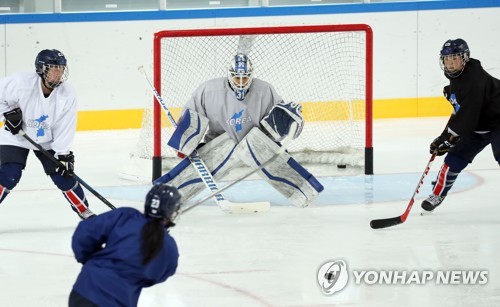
340	190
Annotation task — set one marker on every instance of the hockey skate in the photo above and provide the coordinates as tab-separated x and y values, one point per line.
86	214
432	202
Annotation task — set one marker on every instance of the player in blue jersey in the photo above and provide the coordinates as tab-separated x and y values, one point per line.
124	250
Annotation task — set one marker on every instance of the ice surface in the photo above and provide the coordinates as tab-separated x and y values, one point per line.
271	259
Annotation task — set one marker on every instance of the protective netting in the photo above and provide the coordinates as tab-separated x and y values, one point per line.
324	71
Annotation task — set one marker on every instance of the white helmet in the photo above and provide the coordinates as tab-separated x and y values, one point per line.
240	75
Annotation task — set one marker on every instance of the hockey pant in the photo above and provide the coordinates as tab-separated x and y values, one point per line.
285	174
219	159
14	160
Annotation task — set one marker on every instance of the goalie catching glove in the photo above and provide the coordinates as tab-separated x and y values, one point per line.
443	143
68	167
277	123
13	121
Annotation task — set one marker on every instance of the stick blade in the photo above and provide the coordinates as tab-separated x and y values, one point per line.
384	223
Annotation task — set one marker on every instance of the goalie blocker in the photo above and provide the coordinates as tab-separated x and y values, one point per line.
189	132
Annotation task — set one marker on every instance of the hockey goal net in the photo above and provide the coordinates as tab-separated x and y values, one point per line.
328	69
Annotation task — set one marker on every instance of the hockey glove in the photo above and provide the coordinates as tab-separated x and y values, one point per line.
68	161
443	143
281	117
13	121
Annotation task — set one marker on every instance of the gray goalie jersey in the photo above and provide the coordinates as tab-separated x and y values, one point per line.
216	100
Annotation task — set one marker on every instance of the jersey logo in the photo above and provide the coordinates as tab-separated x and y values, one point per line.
454	103
237	120
39	124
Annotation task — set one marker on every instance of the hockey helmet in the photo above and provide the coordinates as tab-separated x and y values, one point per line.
163	202
454	49
51	65
240	75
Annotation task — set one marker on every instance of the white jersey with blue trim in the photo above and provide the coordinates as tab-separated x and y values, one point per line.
216	100
50	121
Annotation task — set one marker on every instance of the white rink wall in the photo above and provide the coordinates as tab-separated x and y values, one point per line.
104	55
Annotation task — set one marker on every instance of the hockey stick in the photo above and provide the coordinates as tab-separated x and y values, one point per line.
284	145
59	163
207	178
393	221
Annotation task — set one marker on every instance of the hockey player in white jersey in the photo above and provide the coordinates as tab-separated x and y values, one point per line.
44	106
240	119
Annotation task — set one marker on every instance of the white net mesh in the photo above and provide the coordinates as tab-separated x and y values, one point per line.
324	71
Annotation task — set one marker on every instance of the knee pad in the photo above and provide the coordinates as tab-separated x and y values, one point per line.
455	162
10	174
63	183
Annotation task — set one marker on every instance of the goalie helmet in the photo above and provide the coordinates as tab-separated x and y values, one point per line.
454	55
51	66
240	75
163	202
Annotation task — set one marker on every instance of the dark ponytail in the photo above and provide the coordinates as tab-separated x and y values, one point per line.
152	235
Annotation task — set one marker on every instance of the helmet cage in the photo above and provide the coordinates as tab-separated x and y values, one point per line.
457	72
240	75
53	75
454	50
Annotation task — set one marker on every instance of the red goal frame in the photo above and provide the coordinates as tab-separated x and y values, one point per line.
266	30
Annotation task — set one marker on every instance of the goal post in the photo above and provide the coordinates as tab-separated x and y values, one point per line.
326	68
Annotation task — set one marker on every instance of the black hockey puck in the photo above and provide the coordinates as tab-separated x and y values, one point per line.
341	166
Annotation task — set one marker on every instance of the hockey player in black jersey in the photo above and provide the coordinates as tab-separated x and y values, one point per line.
475	121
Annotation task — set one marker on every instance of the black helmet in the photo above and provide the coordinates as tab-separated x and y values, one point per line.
163	202
454	47
51	58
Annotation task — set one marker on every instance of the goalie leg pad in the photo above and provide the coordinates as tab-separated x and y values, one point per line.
219	159
189	132
285	174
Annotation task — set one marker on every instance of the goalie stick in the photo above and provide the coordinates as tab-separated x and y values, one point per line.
53	159
393	221
206	176
284	145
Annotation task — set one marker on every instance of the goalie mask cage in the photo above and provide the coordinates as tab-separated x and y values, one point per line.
326	68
